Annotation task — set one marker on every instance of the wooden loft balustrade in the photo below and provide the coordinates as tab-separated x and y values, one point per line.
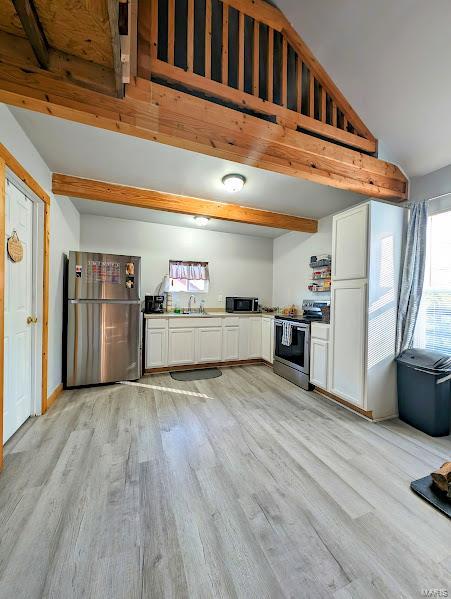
225	78
245	53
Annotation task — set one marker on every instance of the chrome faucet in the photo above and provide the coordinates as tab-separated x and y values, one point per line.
191	298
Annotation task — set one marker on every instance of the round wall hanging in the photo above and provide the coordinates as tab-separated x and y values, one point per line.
15	247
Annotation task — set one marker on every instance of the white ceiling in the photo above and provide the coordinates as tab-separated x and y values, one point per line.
168	218
93	153
391	61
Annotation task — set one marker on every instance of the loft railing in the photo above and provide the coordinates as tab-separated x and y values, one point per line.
245	54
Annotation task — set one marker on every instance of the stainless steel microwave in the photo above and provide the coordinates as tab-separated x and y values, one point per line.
241	304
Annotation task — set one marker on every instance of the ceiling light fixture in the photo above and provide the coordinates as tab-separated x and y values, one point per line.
201	220
234	183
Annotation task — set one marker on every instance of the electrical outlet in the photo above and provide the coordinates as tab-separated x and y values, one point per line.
220	299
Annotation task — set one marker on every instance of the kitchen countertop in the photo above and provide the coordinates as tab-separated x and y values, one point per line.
208	315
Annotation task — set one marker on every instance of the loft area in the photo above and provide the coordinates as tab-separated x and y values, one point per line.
213	48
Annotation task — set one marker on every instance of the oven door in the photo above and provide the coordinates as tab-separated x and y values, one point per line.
297	354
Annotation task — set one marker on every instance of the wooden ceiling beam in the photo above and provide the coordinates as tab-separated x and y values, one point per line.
76	187
32	27
151	111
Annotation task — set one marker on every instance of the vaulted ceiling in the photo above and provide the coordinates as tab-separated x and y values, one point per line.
391	61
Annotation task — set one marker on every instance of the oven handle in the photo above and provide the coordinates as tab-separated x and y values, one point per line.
305	328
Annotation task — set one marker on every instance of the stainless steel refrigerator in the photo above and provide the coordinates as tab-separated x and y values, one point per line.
103	319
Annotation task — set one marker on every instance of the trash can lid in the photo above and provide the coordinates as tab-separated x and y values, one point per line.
426	358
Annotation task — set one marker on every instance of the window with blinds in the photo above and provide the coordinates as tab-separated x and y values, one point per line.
433	329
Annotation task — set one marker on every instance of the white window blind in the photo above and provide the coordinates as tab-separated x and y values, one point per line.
433	329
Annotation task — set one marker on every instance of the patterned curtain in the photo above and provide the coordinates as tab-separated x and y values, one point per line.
193	271
412	276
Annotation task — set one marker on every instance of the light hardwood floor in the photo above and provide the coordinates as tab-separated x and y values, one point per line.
241	486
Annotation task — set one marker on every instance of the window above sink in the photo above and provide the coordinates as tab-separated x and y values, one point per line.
189	276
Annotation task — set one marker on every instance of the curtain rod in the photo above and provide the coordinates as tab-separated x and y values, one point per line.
410	203
443	195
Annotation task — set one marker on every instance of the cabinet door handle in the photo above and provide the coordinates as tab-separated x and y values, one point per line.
32	320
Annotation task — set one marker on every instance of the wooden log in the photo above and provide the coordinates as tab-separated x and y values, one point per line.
442	478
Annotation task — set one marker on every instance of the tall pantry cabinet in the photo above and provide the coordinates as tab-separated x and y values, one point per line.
366	269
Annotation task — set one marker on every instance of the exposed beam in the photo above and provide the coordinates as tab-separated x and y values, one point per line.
76	187
113	15
161	114
32	27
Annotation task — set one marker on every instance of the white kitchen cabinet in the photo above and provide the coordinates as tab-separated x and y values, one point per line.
255	337
230	343
365	288
156	347
319	360
348	323
181	348
267	326
244	338
350	244
208	344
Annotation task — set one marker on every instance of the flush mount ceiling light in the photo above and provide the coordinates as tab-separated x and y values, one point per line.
201	220
234	183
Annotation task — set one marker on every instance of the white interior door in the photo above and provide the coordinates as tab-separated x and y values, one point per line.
17	399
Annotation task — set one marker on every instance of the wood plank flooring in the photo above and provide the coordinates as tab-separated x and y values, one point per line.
241	486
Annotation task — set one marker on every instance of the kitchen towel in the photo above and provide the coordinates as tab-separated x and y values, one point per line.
286	333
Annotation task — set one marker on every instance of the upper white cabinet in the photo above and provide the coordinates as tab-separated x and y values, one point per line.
350	244
267	325
348	322
208	344
181	347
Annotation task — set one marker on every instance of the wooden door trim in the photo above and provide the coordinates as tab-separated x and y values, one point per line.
7	160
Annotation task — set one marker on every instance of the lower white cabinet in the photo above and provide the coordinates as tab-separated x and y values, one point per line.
230	343
156	348
208	344
181	347
319	358
267	352
182	341
348	334
255	337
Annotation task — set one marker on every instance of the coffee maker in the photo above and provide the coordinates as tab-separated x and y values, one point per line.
154	304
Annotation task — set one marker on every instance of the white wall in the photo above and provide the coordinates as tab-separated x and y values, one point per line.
291	271
437	183
239	264
64	232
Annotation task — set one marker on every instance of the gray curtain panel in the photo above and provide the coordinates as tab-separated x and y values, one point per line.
412	276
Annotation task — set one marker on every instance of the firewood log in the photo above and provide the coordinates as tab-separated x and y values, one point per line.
442	478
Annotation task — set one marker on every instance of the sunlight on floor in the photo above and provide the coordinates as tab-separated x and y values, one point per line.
168	389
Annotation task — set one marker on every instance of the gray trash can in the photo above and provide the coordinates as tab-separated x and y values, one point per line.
424	390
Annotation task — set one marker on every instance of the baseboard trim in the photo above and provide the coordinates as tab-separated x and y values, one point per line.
346	404
54	395
207	365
